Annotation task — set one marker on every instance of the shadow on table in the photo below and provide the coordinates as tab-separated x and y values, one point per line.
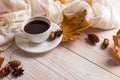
112	62
33	54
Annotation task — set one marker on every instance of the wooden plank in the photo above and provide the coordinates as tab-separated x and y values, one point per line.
13	47
103	33
67	64
62	60
97	47
5	78
33	69
97	57
53	78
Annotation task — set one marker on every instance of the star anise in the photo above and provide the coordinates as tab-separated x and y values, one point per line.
5	71
17	72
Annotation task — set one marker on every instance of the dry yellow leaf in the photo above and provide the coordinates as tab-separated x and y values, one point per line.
62	1
118	33
89	2
116	50
2	50
73	26
1	61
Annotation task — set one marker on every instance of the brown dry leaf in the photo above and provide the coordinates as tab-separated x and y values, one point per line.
116	50
89	2
2	50
1	61
62	1
73	26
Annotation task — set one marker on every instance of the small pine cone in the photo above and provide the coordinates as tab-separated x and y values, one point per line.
58	33
5	71
93	38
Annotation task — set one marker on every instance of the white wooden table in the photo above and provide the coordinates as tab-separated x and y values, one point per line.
74	60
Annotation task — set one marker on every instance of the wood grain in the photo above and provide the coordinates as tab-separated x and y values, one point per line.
74	60
95	54
33	69
65	63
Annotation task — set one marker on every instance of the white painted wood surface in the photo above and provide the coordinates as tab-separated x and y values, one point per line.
74	60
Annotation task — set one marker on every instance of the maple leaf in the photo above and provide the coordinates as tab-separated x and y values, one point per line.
1	61
73	26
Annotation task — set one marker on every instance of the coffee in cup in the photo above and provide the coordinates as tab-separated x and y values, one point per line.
37	29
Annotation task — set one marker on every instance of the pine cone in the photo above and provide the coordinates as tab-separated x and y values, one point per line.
55	34
58	33
93	38
17	72
5	71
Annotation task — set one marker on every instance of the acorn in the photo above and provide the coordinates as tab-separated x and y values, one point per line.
14	63
105	43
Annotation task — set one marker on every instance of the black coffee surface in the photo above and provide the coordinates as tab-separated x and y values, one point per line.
36	27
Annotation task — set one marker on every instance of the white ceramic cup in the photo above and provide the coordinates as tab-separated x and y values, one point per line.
40	37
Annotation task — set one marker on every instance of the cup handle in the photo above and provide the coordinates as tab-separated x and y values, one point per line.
21	34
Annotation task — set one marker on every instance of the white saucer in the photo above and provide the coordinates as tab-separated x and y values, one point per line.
23	43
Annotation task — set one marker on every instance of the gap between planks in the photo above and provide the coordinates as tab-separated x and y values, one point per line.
52	57
87	57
